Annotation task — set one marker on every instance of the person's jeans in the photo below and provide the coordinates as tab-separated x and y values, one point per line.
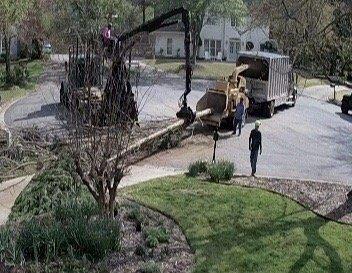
254	158
237	122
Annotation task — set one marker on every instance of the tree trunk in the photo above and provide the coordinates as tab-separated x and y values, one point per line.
112	199
194	47
7	41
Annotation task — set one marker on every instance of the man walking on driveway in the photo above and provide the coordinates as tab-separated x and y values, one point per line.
255	144
237	121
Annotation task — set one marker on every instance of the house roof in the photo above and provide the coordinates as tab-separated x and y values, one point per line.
177	27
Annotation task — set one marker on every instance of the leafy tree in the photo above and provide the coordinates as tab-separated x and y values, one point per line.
37	26
198	10
85	18
315	33
12	13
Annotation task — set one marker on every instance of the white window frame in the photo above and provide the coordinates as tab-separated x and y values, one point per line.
212	44
234	22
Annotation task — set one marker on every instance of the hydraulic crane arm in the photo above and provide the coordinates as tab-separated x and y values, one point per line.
160	22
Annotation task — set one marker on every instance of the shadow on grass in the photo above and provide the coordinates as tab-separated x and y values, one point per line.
251	240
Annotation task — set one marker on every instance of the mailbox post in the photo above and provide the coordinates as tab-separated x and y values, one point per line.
215	138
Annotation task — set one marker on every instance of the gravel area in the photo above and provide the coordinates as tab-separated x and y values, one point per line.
326	199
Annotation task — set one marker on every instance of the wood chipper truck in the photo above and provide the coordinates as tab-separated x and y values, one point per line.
223	98
346	104
269	81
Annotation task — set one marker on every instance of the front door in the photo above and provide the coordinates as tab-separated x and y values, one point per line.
234	48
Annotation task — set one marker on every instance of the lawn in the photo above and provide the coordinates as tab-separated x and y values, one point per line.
340	94
215	70
234	229
309	82
35	69
203	70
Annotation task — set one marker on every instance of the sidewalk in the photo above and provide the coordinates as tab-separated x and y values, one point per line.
9	191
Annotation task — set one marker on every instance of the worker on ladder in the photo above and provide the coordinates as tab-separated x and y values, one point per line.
108	42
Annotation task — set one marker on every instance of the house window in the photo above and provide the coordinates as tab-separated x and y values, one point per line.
232	47
234	22
235	46
169	46
213	47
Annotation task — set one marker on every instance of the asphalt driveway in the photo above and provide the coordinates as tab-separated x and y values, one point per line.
310	141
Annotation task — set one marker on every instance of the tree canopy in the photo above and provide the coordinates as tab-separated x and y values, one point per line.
315	33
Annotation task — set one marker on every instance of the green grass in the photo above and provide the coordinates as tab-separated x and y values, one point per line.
340	94
35	69
203	70
303	82
234	229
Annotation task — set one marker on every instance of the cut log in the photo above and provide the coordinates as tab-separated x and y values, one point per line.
178	124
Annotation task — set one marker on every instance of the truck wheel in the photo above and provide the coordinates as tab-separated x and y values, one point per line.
294	99
269	109
344	107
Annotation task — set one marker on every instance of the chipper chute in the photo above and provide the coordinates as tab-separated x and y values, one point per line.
223	98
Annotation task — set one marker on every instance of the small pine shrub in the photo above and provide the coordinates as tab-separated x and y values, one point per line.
150	267
136	216
154	236
151	241
222	170
197	168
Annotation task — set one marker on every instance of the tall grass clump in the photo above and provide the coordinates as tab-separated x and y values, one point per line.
221	171
197	168
72	230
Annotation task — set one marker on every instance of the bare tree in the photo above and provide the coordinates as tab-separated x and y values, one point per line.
102	112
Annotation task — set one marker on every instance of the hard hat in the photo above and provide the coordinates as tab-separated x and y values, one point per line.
258	123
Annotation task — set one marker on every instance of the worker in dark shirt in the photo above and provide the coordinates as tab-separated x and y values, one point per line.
239	114
255	144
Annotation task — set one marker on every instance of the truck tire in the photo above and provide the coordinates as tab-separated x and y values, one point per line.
269	109
294	98
344	107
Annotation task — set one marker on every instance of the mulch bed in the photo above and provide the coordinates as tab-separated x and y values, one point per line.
173	257
326	199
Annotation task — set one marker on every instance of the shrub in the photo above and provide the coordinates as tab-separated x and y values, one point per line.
151	241
136	216
47	238
154	236
197	168
43	194
2	57
93	239
150	267
41	240
47	191
222	170
8	247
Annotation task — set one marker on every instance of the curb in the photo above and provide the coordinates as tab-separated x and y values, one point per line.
237	175
3	109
